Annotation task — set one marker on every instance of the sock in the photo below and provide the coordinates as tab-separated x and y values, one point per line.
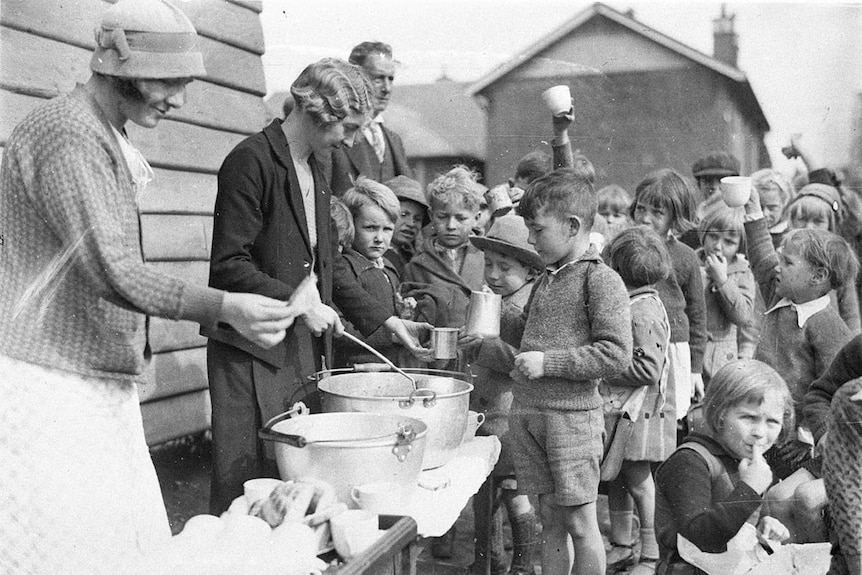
649	544
525	541
621	527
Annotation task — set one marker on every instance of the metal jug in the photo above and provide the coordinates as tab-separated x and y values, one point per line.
483	315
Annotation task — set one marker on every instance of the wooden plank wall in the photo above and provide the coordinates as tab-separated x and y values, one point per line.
45	48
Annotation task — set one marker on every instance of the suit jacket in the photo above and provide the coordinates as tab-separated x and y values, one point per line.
261	245
348	163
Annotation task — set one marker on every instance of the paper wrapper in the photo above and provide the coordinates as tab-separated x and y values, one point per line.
744	556
305	296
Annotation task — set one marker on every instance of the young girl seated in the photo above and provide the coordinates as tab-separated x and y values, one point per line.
714	483
729	290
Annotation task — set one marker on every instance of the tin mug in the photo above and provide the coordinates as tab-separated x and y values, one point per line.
444	342
483	314
498	200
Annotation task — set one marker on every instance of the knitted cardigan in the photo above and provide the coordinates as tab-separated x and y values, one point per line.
682	296
580	319
798	355
74	288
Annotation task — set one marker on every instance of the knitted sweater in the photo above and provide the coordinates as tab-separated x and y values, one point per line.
71	231
580	319
682	296
799	355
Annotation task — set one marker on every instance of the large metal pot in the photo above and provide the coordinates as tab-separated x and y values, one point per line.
442	402
349	449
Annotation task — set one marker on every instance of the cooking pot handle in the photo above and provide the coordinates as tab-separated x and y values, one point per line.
293	440
267	433
299	408
429	398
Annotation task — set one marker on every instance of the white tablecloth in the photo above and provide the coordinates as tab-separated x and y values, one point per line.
436	511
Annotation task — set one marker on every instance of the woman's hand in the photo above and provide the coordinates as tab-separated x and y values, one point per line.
320	318
410	333
259	319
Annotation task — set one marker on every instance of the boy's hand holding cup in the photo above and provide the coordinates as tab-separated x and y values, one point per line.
735	190
755	471
752	206
558	99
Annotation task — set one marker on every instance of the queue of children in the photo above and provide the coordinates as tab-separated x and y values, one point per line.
711	328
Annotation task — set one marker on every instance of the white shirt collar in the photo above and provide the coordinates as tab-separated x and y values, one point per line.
804	311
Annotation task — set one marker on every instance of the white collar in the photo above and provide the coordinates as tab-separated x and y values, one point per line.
804	311
780	227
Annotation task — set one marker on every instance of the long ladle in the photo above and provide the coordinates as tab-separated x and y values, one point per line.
382	357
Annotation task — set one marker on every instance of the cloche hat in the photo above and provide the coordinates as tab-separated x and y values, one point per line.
823	192
151	39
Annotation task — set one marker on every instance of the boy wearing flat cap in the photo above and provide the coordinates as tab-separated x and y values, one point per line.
411	219
708	171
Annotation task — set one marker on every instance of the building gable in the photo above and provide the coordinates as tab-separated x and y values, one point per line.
599	46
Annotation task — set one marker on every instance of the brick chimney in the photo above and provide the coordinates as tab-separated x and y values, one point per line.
724	47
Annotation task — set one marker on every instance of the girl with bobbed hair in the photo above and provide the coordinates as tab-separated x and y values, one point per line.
712	487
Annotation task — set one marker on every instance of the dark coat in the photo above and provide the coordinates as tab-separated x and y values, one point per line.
261	245
348	163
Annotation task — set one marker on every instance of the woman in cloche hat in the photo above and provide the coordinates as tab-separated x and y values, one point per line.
78	491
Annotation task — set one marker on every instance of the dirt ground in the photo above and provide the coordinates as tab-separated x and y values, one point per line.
183	467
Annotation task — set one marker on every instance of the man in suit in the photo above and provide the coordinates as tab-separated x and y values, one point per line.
378	152
271	230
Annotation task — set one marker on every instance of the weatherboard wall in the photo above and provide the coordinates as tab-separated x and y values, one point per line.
45	49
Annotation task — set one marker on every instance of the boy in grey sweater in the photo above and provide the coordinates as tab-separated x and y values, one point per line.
575	330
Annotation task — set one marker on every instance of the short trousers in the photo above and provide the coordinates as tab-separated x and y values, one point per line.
558	452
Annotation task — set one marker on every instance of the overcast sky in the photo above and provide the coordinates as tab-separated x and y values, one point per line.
804	60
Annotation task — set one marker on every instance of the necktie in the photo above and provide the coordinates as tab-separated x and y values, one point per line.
377	141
